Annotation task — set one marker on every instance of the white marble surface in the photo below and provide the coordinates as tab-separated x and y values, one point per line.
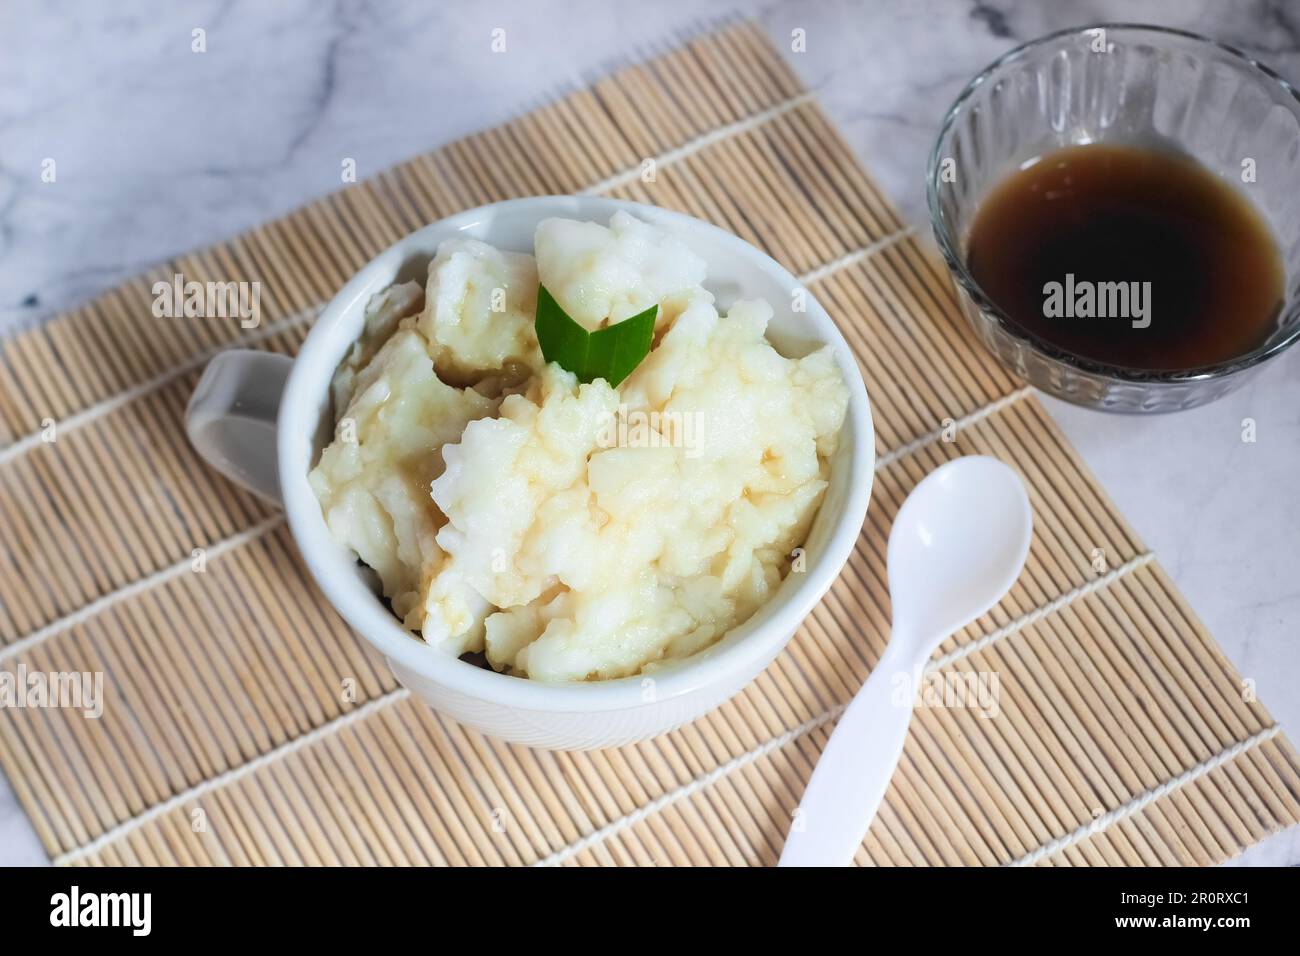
160	149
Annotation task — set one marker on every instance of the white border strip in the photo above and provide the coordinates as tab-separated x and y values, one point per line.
1036	615
1141	802
856	256
88	414
230	776
88	611
688	789
690	147
929	438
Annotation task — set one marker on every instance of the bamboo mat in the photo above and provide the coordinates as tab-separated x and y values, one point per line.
245	724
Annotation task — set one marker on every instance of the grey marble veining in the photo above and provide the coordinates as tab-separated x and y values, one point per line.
159	149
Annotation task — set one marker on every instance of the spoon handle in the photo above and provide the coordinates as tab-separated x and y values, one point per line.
855	768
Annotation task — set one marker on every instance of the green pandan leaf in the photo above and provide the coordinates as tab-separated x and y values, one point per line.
611	353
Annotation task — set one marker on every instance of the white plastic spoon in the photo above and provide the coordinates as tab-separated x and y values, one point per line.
957	545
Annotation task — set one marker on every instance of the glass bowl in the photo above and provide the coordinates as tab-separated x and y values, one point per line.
1137	85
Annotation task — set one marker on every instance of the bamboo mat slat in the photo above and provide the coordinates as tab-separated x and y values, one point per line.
245	724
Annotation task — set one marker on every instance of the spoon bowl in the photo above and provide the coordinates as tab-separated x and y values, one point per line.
957	545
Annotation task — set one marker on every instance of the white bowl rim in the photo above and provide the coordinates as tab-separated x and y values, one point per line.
760	637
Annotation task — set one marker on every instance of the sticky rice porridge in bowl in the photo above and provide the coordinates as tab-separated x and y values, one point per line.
594	479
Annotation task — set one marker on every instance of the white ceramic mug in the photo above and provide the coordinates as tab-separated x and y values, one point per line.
262	419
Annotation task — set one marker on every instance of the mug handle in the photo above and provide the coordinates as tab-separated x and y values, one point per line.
230	419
